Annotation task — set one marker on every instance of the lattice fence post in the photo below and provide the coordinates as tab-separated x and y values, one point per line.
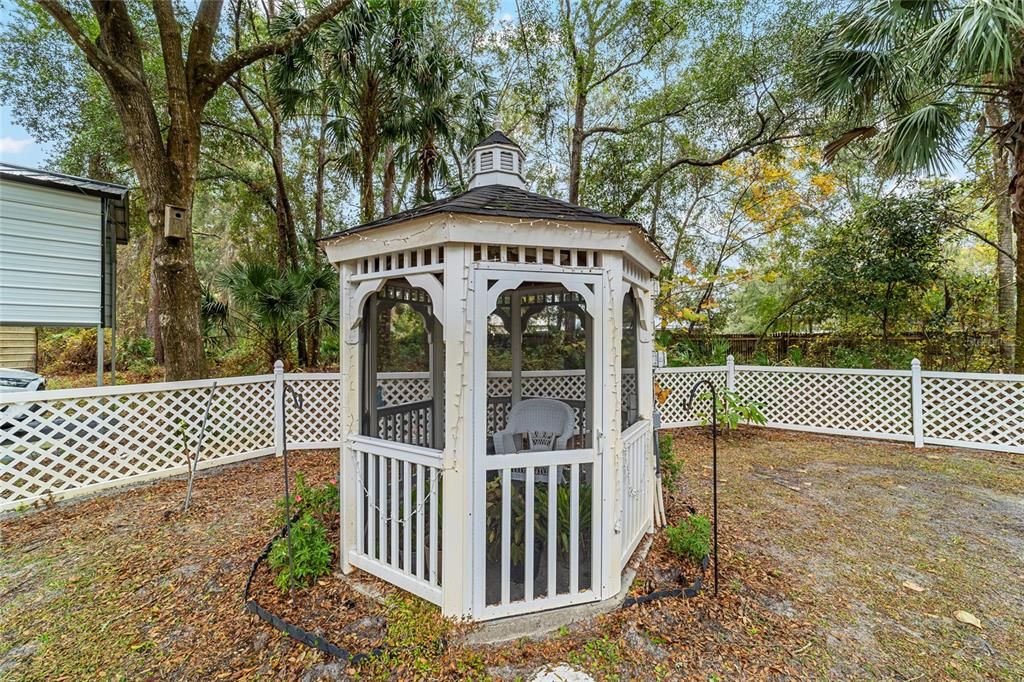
279	408
730	373
915	402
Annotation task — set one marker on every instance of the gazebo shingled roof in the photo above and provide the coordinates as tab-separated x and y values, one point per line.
498	200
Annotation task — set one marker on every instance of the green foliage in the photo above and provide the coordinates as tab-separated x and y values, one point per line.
402	340
315	507
690	537
877	263
563	507
311	553
320	501
734	409
671	464
686	350
923	68
271	307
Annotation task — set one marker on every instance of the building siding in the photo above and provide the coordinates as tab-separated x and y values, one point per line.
50	256
18	348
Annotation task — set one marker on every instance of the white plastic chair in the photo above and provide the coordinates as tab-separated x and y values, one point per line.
536	415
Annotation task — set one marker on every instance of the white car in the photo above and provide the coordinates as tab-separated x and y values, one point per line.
13	380
17	381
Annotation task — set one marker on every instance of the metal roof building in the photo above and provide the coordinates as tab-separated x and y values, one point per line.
58	248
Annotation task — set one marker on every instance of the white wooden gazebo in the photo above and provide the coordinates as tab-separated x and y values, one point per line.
524	299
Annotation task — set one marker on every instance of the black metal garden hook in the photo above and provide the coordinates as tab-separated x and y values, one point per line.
688	407
297	401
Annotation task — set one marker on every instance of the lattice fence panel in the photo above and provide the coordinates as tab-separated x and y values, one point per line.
400	388
678	381
972	410
839	401
65	445
319	420
568	385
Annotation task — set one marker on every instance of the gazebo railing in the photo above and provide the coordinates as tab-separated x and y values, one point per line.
398	519
538	533
637	491
409	423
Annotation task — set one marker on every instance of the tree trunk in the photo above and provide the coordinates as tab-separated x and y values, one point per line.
1005	267
576	147
153	312
366	186
389	181
177	282
1016	192
315	336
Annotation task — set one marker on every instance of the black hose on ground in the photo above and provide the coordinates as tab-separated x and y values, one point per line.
292	630
692	591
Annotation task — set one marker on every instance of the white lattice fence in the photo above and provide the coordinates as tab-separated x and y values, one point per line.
61	443
318	423
843	401
973	410
678	382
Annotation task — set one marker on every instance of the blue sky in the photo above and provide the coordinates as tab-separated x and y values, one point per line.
16	144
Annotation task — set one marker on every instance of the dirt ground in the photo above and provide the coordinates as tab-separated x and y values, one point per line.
840	559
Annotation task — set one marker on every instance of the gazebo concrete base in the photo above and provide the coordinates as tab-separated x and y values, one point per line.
535	625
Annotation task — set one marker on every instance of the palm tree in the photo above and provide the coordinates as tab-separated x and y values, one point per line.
363	63
270	306
449	112
912	74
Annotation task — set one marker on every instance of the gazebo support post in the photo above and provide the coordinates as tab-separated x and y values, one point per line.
609	360
457	523
517	346
349	414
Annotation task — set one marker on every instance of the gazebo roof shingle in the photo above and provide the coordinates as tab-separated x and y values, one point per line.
499	201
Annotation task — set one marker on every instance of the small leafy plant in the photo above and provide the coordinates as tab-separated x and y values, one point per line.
311	552
733	409
320	501
671	465
690	537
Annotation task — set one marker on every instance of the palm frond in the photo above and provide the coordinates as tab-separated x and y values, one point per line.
925	139
981	37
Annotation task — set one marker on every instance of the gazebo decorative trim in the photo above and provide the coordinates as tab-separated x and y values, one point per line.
426	504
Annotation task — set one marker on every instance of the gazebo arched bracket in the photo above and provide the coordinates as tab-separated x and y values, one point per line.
426	282
645	323
498	285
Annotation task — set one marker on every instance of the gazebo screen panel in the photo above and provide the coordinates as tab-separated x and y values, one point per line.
399	330
547	370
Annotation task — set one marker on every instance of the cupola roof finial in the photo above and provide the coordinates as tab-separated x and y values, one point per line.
497	160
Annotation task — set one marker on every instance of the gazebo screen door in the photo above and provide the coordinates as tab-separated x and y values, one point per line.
537	514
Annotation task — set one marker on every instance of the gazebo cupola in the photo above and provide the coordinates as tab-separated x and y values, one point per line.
496	395
497	160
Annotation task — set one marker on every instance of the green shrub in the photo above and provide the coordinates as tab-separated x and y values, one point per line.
690	537
311	553
733	409
320	501
671	466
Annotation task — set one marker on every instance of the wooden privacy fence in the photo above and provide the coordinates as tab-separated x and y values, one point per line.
56	444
